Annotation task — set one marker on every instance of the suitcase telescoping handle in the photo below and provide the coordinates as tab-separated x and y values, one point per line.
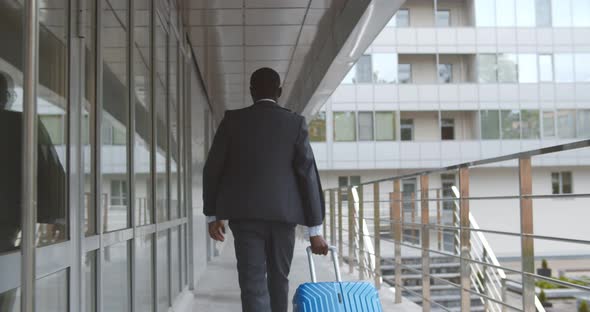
334	260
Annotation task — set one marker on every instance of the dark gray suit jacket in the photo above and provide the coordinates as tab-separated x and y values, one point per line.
261	167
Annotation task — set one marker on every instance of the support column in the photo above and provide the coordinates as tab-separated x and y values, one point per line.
340	245
397	237
465	242
361	234
377	235
350	231
526	227
332	219
425	217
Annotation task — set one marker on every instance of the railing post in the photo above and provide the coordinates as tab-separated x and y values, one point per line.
425	216
350	231
340	247
332	219
377	234
324	223
526	227
465	239
361	234
397	236
438	220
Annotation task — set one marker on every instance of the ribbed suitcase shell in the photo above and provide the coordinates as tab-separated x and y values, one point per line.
336	297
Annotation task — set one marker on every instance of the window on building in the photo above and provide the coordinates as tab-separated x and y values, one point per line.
118	193
365	126
581	12
404	73
564	67
510	124
445	73
344	126
384	67
385	126
542	13
545	67
490	124
561	13
447	183
487	64
54	126
317	128
561	182
530	124
350	76
507	67
364	69
443	18
548	124
402	18
485	13
447	130
582	67
505	13
407	129
583	123
344	182
411	236
527	68
566	123
409	187
525	13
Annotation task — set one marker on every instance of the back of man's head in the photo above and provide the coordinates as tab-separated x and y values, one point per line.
265	83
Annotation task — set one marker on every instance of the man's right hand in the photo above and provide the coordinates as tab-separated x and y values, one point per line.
319	245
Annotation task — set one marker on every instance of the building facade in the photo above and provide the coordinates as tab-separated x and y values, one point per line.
452	81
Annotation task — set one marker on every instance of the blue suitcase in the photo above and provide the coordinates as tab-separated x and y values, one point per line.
335	296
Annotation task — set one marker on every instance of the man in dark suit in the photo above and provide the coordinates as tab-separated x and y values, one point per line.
261	176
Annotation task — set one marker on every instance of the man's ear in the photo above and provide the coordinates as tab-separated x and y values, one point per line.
279	92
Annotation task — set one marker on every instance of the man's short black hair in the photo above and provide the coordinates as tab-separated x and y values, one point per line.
265	82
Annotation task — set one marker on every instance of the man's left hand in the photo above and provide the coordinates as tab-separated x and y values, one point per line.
217	230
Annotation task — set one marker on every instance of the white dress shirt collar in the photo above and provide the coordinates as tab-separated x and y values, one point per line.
266	100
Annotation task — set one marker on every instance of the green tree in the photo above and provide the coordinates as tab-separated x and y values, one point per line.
583	307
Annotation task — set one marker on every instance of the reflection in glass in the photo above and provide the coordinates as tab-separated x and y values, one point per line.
115	278
175	261
530	124
583	123
407	129
548	124
485	13
486	64
545	67
51	292
384	67
506	15
581	13
527	68
402	18
583	66
364	69
404	73
525	13
490	124
365	126
161	111
317	128
143	112
561	13
510	124
144	273
507	67
385	126
10	300
445	73
114	114
443	18
564	67
162	272
89	270
88	104
542	13
174	127
566	123
344	126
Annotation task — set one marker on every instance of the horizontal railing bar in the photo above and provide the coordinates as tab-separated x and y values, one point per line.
451	199
558	282
514	156
420	296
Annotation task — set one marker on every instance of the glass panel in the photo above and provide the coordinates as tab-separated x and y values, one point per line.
114	109
365	126
507	14
561	13
525	13
510	124
548	124
51	293
447	129
485	13
385	126
490	125
161	106
317	128
407	129
507	67
342	181
10	301
364	69
530	124
583	66
581	13
486	68
564	67
445	73
89	271
402	18
566	182
355	180
144	263
443	18
384	67
162	269
173	127
555	182
583	123
115	278
344	126
545	67
350	77
566	124
404	73
143	112
175	262
543	12
527	68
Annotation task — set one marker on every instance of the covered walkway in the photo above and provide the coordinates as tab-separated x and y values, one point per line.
218	290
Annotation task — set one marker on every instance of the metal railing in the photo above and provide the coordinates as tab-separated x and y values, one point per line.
370	220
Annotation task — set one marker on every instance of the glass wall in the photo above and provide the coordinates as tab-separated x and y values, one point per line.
344	126
530	13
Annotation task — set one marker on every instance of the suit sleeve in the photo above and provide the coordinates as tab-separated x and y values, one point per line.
308	179
213	170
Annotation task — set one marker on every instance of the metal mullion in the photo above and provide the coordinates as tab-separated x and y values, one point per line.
188	178
90	243
153	151
112	238
96	157
131	150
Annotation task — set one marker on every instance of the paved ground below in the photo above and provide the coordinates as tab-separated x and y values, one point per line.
218	289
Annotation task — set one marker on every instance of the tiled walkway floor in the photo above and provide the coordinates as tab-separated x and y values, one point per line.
218	288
